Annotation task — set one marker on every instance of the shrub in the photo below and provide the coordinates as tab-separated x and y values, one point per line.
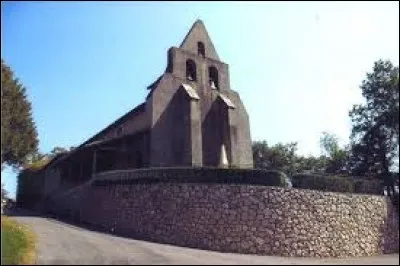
197	175
323	183
367	186
29	188
270	178
337	184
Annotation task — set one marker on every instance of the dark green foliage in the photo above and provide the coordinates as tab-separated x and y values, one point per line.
311	164
375	132
283	157
200	175
336	157
19	137
280	157
30	184
337	184
364	186
323	183
58	150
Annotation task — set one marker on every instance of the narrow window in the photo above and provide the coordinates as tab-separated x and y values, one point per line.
190	70
201	51
213	77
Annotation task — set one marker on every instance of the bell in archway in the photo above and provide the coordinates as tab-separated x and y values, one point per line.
212	84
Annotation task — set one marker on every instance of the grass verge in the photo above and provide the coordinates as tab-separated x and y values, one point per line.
17	243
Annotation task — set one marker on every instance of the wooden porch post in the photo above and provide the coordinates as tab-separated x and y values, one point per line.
94	162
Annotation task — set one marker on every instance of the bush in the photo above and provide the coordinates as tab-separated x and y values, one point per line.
30	185
337	184
196	175
270	178
323	183
368	186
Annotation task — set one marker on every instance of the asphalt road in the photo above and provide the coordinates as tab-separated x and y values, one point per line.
62	243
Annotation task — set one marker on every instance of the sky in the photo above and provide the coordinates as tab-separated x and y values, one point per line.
296	65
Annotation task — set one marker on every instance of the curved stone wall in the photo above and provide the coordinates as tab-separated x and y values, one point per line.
242	218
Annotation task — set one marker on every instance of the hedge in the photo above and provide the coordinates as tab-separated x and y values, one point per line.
368	186
194	175
337	184
30	185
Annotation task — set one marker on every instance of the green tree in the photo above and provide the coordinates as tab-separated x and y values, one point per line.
19	137
310	164
375	124
280	157
57	150
260	150
329	144
283	157
336	157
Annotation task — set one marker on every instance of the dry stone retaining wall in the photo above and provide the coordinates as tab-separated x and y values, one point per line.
243	218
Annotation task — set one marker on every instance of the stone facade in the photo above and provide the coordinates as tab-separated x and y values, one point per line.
189	128
240	218
190	115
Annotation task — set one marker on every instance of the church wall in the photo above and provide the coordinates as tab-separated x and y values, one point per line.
240	132
215	133
170	131
179	58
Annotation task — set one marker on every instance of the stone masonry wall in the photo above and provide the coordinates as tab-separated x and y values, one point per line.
243	218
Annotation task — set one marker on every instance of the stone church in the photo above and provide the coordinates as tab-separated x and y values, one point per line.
191	117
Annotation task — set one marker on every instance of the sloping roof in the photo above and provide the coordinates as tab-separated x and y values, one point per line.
54	160
44	163
227	101
153	86
138	109
190	91
155	83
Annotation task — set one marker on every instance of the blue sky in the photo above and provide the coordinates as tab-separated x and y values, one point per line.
296	65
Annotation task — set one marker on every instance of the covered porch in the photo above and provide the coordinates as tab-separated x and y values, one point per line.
121	153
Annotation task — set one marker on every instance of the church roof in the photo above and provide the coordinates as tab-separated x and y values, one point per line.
138	109
155	83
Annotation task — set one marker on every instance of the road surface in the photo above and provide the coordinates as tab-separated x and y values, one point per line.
62	243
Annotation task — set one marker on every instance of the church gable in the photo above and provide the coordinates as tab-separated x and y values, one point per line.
197	41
